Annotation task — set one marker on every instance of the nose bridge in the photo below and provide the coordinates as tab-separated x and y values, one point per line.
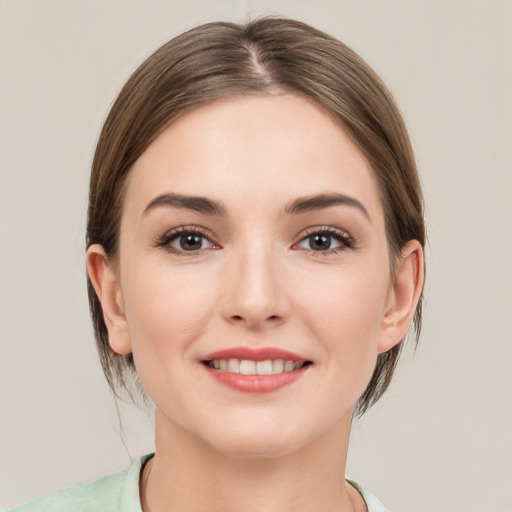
255	293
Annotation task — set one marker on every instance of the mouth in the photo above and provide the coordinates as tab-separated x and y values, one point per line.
253	370
251	367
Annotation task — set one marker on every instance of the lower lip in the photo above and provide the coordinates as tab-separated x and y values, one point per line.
256	383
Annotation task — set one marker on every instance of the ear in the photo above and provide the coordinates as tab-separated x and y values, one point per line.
106	284
403	297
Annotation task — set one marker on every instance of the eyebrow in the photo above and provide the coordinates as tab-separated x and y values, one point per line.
297	206
197	204
322	201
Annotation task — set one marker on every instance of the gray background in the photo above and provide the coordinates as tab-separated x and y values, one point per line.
440	438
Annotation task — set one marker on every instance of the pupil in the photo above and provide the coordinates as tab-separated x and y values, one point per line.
191	242
320	242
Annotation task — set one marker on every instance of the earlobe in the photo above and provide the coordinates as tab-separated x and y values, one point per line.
403	297
108	289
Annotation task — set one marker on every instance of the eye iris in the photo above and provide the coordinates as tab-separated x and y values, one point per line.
191	242
320	242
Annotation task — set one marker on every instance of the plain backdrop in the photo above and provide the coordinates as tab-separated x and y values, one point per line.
440	438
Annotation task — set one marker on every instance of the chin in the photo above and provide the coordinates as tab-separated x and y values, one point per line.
259	440
250	448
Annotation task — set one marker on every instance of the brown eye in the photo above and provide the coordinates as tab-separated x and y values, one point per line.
326	239
320	242
185	240
190	242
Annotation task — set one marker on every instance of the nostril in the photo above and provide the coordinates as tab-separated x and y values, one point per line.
242	318
254	318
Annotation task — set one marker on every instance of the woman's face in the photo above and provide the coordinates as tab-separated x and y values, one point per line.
252	230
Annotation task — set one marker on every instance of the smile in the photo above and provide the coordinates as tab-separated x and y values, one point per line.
256	370
250	367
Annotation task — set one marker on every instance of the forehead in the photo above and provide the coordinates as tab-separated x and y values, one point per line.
262	149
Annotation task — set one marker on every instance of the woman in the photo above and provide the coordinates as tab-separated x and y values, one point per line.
255	256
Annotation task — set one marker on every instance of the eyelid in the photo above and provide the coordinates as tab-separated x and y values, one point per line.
164	241
346	240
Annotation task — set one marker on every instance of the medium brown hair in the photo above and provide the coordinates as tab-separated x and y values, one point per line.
269	55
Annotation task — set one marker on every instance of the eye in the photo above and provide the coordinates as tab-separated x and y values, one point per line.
320	242
189	242
184	240
326	240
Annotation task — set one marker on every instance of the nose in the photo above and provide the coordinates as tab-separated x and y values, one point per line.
255	290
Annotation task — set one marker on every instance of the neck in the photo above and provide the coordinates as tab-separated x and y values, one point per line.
187	475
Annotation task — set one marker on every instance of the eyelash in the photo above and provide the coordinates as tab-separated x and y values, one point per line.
170	236
345	240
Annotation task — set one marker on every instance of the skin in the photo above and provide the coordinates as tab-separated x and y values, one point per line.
255	281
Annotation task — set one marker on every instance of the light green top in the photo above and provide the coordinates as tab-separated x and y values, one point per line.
120	493
372	502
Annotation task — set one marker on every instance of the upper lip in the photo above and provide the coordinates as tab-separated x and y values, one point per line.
255	354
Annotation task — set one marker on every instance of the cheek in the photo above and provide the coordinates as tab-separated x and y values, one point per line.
347	299
167	309
344	313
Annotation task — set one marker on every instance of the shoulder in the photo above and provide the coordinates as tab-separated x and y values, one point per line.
103	494
373	504
111	493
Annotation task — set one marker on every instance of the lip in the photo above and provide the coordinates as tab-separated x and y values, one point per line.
255	354
255	383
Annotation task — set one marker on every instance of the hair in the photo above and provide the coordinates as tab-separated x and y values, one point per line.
266	56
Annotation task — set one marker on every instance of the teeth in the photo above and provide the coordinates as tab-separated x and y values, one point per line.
248	367
289	366
278	366
234	366
264	367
